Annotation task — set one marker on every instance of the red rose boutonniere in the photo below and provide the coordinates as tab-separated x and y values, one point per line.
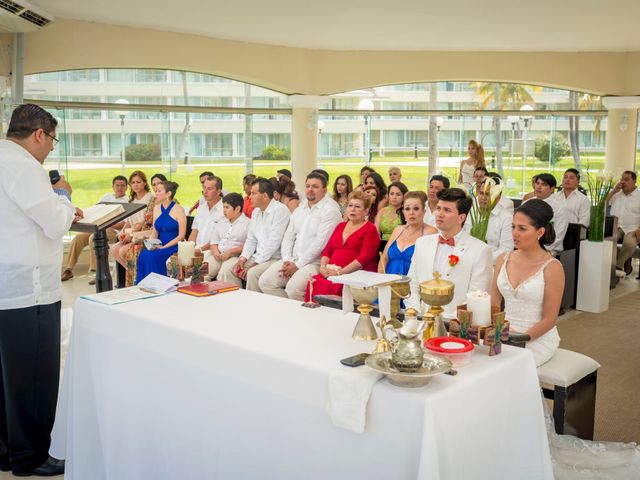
453	260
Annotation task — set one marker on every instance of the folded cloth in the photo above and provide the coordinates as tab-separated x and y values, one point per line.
349	392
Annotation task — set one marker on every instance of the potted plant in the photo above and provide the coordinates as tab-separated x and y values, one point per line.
596	254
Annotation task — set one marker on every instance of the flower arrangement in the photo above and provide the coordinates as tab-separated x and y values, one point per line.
599	188
481	210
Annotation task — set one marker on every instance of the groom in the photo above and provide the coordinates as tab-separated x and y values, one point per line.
460	258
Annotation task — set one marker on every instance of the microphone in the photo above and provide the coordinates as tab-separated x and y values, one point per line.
54	176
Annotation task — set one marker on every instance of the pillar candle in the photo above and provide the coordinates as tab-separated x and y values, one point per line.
480	304
186	251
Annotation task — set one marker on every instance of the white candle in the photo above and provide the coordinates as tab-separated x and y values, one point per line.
480	304
186	252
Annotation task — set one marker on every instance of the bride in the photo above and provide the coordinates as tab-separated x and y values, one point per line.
531	282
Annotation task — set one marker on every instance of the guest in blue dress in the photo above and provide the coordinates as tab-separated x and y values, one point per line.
169	226
396	257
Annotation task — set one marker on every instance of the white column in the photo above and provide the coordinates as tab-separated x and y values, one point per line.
304	135
622	129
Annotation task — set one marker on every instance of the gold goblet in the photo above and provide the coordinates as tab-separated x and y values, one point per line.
365	296
436	293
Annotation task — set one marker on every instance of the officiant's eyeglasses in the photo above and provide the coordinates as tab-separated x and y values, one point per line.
52	137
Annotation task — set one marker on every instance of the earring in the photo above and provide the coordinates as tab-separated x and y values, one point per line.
539	237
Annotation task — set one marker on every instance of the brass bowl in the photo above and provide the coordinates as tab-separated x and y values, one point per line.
431	366
364	295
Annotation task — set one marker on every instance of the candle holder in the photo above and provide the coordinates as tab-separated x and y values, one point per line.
196	270
493	335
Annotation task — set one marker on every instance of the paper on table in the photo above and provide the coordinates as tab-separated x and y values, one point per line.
121	295
159	283
349	392
362	278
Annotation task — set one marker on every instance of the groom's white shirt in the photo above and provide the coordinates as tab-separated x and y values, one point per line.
473	271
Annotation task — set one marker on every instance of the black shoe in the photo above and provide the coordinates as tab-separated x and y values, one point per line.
628	268
50	468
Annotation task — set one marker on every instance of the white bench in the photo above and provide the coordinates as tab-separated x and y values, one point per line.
570	379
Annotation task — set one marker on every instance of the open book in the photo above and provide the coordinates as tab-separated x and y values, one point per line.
100	213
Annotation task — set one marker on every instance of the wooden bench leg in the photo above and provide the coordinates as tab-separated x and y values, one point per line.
574	407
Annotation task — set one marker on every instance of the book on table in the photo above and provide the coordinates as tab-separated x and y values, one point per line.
208	288
100	213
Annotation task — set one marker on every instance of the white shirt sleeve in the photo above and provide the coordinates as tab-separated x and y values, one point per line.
53	213
288	241
505	242
560	224
313	248
482	272
271	244
251	242
584	212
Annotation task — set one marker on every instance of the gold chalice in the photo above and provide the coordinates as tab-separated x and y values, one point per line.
365	296
436	293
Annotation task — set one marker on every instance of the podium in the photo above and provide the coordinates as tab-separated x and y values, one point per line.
101	243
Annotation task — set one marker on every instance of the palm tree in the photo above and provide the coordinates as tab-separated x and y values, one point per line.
502	96
582	102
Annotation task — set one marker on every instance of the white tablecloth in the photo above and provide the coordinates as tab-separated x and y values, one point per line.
235	386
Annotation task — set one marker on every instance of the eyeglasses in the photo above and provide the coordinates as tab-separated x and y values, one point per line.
52	137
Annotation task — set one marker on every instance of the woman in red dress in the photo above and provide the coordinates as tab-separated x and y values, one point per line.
353	246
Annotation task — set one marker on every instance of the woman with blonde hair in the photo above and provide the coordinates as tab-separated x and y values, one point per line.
397	254
469	165
353	246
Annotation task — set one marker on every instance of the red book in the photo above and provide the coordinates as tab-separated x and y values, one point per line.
205	289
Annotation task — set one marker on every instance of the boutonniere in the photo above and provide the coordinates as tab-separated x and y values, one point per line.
453	260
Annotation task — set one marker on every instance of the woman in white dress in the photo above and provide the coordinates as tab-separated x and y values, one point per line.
531	281
469	165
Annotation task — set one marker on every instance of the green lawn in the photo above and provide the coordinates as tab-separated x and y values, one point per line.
90	185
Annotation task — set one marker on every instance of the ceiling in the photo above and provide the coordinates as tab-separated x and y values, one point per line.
462	25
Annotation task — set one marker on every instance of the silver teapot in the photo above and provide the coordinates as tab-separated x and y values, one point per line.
406	344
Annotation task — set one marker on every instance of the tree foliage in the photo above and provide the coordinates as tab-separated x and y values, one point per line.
553	148
142	152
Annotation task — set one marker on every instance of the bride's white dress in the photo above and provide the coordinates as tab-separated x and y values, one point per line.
572	458
523	309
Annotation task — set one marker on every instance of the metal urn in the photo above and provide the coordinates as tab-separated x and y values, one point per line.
365	296
436	293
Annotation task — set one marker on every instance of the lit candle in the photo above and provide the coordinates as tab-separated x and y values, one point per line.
186	252
479	303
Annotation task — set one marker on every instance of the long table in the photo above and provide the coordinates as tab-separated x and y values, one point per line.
235	386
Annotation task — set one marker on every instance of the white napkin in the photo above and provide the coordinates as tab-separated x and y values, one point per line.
349	392
347	300
384	301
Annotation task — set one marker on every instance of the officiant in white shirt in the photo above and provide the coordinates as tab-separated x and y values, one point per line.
310	227
33	223
209	213
269	220
574	201
456	255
